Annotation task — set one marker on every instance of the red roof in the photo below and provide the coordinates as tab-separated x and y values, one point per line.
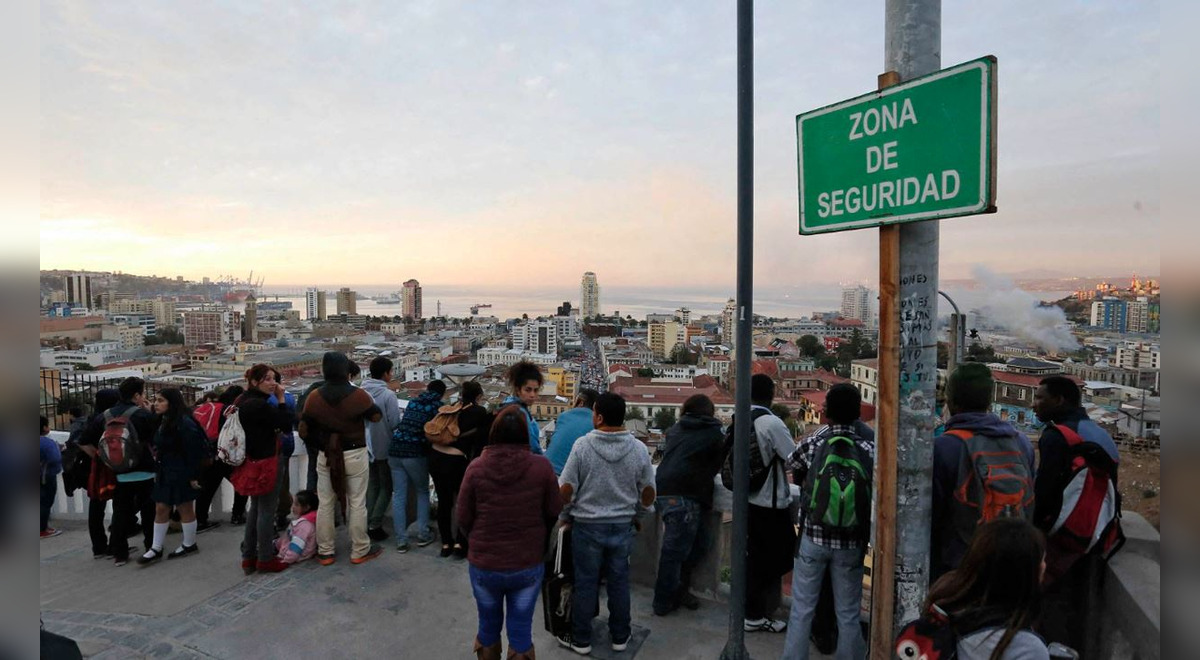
817	399
845	323
768	367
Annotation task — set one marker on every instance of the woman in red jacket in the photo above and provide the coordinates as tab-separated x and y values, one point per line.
508	503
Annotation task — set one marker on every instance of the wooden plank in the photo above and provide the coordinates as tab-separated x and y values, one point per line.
883	560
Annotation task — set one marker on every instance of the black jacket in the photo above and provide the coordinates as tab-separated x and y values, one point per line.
692	456
1054	468
263	423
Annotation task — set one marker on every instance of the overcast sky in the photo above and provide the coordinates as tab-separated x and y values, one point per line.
515	144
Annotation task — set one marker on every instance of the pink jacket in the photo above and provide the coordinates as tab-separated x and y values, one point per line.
298	541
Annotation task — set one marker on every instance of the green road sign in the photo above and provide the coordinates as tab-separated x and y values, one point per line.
920	150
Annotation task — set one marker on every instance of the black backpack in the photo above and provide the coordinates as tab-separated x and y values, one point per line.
759	471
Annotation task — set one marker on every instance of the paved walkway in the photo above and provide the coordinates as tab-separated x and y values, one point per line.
404	606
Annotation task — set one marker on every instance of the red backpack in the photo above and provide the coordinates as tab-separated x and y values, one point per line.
120	448
1090	518
208	415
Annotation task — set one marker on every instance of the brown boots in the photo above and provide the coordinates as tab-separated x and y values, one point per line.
487	652
493	652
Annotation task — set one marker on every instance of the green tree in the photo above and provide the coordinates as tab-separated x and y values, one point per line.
811	346
664	418
635	413
645	372
980	353
781	411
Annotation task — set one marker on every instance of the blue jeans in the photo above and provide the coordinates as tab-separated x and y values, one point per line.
405	470
601	549
520	590
683	545
846	570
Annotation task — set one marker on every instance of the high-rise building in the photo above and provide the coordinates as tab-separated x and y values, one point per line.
589	295
684	314
664	336
250	333
314	305
856	303
412	299
536	337
564	309
79	289
1139	315
1111	314
347	301
203	327
729	323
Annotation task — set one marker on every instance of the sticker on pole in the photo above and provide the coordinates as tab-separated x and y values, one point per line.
921	150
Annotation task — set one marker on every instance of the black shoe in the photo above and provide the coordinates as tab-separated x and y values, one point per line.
150	557
460	551
446	551
377	534
237	519
184	550
689	601
206	526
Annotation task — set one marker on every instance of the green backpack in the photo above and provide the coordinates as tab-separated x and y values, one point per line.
839	486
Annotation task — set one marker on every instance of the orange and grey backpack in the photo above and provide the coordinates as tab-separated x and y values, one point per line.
994	481
119	448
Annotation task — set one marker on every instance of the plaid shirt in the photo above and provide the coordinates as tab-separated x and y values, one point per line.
801	460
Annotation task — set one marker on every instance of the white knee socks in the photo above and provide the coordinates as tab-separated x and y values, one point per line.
160	536
189	534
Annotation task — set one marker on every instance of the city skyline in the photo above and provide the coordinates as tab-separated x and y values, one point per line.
485	136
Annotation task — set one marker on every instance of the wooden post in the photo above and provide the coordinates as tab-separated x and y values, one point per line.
883	560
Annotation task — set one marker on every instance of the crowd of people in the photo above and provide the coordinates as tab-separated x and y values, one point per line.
997	552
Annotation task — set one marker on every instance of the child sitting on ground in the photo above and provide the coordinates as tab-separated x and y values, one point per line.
296	543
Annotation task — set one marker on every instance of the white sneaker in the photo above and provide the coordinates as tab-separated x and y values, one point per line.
764	625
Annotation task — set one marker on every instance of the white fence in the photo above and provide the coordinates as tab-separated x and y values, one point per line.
75	507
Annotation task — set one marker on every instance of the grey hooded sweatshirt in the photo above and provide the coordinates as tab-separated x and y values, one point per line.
608	471
379	434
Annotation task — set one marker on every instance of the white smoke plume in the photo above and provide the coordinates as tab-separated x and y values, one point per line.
1018	312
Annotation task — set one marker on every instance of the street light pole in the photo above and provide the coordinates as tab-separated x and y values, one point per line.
735	644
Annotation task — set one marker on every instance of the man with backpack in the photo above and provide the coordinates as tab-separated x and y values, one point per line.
772	535
982	468
1077	505
837	465
120	439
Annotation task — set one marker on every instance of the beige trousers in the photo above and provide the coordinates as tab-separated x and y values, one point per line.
358	467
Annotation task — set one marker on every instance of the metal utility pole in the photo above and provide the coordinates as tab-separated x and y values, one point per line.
958	340
735	645
908	364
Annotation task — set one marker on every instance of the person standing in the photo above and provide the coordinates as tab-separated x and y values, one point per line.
508	503
379	435
569	427
1005	453
994	595
837	547
526	380
216	471
1073	580
607	476
772	534
287	448
51	466
448	464
263	424
179	449
101	480
338	413
409	462
692	456
132	494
